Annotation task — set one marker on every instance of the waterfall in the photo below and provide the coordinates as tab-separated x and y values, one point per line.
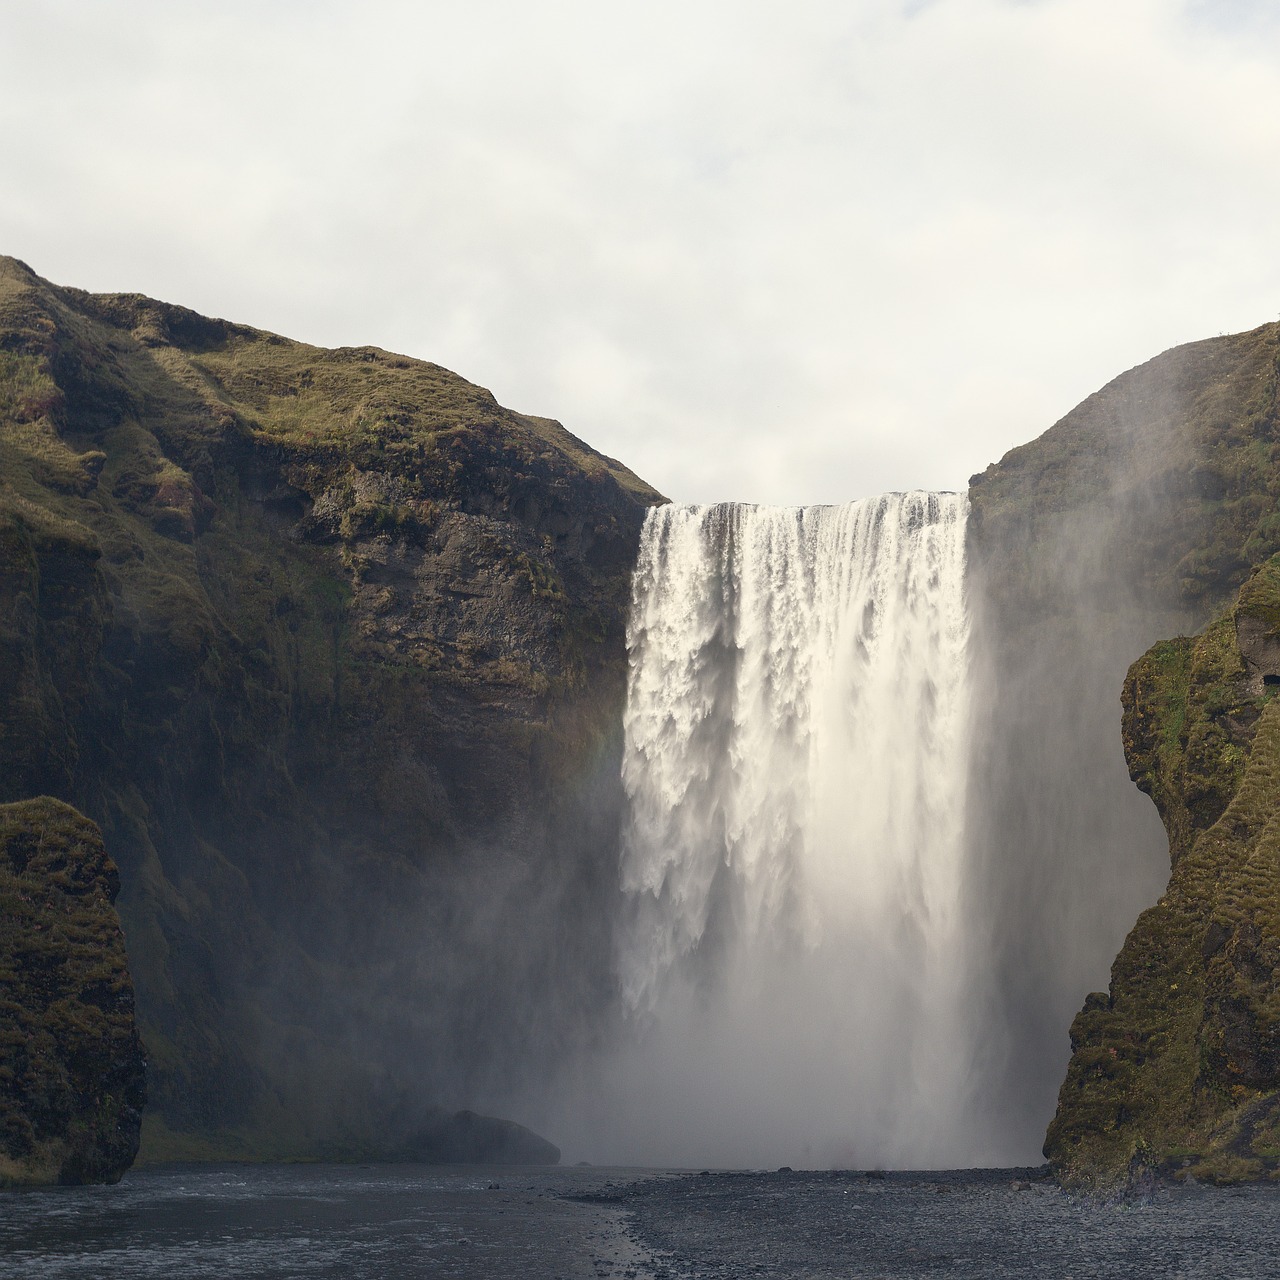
794	951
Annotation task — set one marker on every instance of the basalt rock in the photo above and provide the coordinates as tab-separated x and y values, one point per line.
331	646
72	1071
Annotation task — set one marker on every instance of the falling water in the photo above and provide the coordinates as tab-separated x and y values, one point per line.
795	953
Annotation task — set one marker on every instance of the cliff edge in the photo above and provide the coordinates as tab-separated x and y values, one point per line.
1139	516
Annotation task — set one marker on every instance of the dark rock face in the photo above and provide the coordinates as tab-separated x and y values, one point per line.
467	1138
1176	1069
1136	517
72	1071
1149	511
331	645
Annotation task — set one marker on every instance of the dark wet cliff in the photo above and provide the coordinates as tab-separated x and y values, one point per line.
331	647
1137	518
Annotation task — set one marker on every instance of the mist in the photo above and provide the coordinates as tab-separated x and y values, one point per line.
789	950
913	1009
813	867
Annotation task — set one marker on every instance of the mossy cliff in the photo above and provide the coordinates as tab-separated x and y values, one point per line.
331	646
1167	481
1137	517
72	1072
1176	1070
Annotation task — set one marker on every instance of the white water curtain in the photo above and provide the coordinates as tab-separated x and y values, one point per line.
795	762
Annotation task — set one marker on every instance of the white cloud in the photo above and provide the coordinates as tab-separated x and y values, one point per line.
777	256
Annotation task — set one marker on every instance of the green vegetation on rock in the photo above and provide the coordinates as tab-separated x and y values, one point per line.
331	645
72	1072
1176	1069
1140	515
1175	468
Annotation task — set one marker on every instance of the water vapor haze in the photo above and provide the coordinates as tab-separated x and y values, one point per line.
1087	559
792	957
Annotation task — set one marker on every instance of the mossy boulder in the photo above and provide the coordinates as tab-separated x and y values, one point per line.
72	1070
1176	1069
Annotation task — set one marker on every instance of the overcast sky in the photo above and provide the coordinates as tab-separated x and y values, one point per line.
775	252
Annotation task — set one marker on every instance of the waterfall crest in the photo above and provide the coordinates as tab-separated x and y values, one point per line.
795	765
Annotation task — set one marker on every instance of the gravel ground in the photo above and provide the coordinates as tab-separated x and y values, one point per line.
982	1223
393	1223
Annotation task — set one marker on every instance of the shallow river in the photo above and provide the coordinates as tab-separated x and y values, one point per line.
386	1223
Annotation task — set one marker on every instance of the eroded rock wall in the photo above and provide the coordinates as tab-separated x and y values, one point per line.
1136	517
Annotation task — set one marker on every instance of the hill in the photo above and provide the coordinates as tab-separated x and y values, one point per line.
330	645
1147	515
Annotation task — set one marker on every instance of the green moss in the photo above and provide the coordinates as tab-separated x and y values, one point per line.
544	582
71	1064
1183	1055
303	630
1260	596
27	392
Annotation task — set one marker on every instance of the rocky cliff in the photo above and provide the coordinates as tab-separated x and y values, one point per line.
1176	1069
72	1072
1141	515
331	646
